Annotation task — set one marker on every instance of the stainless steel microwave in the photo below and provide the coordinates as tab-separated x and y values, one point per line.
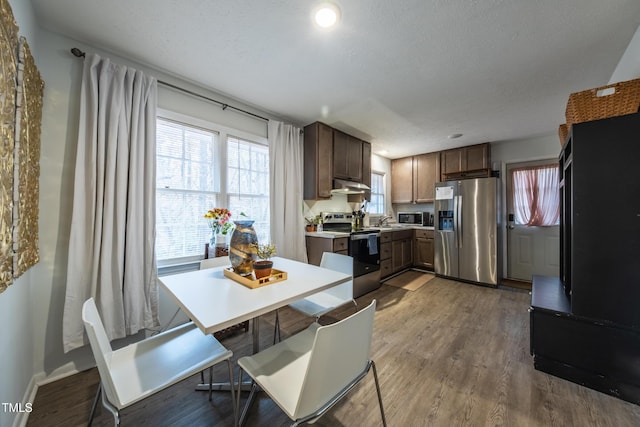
416	218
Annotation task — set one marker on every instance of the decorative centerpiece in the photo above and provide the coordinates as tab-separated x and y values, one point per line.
241	250
220	225
263	267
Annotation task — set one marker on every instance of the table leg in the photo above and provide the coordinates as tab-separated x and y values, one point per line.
256	334
246	385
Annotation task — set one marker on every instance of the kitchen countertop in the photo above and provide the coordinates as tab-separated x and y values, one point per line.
327	234
334	234
405	227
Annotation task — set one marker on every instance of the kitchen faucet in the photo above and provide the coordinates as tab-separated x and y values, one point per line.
382	220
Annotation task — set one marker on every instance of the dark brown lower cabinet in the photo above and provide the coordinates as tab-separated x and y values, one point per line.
401	250
386	268
423	249
316	246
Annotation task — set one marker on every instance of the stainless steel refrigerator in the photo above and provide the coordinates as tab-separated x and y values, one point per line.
466	230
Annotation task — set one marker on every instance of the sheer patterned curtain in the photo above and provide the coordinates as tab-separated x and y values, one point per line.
536	197
285	189
112	241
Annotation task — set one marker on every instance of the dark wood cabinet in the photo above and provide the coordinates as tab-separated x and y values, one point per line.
585	325
366	163
318	161
330	153
423	249
426	171
464	162
451	161
316	246
348	155
401	250
413	178
402	180
386	268
476	157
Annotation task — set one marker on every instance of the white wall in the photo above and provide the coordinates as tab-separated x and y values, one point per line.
16	317
629	66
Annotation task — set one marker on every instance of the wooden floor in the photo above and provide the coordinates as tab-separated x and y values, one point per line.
448	354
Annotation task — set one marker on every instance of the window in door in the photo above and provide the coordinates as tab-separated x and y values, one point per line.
535	195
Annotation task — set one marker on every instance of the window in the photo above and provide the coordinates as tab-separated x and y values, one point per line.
535	194
248	183
376	205
199	167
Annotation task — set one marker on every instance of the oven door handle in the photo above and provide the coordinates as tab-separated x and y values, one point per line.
364	236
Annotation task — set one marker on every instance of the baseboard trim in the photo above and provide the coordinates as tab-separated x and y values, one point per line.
29	397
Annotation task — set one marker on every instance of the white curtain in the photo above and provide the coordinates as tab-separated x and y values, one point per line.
112	241
285	190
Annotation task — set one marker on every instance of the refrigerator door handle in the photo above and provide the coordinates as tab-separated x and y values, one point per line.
459	222
455	221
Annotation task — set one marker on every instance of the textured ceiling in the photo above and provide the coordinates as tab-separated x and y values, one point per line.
401	74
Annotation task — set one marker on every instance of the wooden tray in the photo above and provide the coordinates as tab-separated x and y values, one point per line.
250	281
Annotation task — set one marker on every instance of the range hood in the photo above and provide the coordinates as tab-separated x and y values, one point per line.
341	186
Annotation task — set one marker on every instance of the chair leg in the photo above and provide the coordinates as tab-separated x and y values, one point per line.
211	382
233	397
95	404
114	411
375	377
238	393
247	405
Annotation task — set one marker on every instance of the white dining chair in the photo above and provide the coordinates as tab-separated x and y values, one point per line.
321	303
309	372
139	370
214	262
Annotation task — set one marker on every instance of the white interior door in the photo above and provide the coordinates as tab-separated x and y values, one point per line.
530	250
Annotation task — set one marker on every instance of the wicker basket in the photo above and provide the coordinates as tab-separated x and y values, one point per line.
592	104
563	131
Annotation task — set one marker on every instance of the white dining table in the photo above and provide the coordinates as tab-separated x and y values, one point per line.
215	302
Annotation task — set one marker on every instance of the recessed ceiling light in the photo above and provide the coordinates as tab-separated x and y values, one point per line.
326	15
454	135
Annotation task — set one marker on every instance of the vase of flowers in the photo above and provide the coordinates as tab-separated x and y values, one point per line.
220	225
263	267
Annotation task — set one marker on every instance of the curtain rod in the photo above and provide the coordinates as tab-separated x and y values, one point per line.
80	54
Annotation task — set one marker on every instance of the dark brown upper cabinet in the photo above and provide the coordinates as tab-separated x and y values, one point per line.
465	162
318	161
347	157
331	154
413	178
